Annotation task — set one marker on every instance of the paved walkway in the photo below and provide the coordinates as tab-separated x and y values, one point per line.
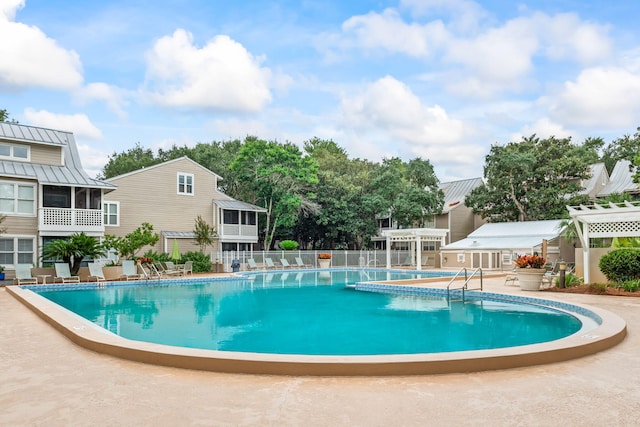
45	380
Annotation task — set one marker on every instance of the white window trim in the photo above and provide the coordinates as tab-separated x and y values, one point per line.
107	202
12	157
15	199
193	184
15	238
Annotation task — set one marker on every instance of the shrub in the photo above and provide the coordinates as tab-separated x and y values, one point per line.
621	265
289	245
570	280
631	285
201	262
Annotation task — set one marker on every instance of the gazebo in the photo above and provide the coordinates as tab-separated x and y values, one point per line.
415	236
601	221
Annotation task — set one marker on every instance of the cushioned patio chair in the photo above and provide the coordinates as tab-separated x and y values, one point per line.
95	272
63	274
130	270
23	275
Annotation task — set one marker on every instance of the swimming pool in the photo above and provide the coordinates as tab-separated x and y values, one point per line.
312	313
135	310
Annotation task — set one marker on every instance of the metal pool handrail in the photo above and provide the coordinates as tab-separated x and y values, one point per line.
467	279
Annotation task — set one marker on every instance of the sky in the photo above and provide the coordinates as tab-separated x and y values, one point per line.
442	80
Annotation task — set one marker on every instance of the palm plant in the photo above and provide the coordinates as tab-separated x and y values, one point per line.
73	250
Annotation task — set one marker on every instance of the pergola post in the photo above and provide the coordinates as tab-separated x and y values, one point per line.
388	252
418	252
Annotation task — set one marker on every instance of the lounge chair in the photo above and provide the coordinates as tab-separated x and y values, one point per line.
269	263
188	268
251	264
511	279
164	270
95	272
23	275
130	270
285	263
172	267
63	273
300	264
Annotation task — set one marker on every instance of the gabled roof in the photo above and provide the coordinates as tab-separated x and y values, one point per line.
163	164
509	235
621	180
456	191
595	170
71	174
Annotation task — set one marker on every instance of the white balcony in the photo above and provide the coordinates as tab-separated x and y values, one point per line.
238	232
70	220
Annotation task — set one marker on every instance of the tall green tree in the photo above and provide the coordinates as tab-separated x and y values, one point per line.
626	147
128	246
128	161
277	177
533	179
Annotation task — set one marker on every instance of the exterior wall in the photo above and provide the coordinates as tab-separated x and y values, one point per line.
595	275
151	196
21	225
46	155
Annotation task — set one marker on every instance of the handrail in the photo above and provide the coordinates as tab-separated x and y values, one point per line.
467	279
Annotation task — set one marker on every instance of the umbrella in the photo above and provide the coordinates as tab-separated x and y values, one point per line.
175	253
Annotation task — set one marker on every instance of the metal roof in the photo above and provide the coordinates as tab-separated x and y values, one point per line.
23	133
237	205
621	180
509	235
179	234
595	170
456	191
71	174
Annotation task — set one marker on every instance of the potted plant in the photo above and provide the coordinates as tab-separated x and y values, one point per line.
324	259
530	271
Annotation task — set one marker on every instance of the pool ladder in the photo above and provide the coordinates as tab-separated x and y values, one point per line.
467	278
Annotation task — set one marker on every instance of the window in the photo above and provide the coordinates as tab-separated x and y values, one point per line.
15	152
111	213
248	217
17	198
185	183
231	217
16	250
55	196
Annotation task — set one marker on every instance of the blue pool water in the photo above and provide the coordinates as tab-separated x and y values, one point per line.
310	313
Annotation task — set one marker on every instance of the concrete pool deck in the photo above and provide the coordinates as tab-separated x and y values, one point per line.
47	380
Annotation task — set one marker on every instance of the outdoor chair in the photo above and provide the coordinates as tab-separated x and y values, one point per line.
164	270
269	263
23	275
130	270
188	268
285	263
511	279
95	272
300	264
251	264
63	273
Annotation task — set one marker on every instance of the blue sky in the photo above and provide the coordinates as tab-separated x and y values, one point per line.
437	79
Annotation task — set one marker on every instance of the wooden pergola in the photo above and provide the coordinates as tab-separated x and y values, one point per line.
601	221
415	236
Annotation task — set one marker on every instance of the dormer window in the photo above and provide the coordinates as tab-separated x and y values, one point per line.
15	152
185	184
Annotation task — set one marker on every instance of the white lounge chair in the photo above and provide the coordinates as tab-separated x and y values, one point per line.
251	264
168	269
63	273
285	263
269	263
300	264
23	275
95	272
130	270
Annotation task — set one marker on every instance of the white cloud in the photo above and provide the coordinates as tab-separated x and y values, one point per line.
388	113
93	160
31	59
464	15
221	75
78	124
112	96
543	128
388	31
603	96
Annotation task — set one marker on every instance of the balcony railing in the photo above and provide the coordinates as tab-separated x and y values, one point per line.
62	219
243	232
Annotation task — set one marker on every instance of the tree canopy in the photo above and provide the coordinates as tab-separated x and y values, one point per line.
534	179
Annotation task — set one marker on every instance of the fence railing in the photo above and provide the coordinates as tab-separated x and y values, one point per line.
339	258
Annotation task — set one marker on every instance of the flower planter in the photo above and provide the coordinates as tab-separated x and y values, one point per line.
324	263
530	279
